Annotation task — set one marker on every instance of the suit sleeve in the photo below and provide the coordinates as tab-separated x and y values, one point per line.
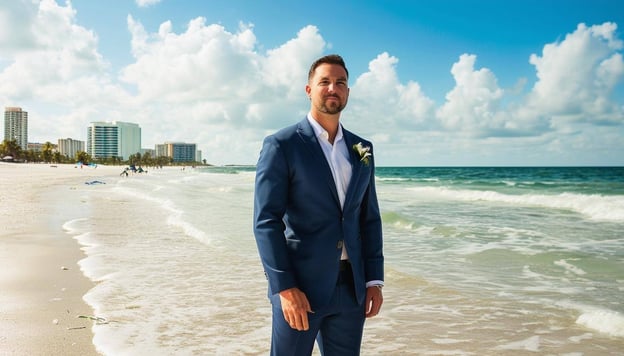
371	232
270	202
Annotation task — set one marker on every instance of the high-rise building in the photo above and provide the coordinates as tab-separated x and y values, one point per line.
179	151
113	139
69	147
16	126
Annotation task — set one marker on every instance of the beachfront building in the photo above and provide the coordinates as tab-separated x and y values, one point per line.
113	139
150	151
178	151
69	147
16	126
38	147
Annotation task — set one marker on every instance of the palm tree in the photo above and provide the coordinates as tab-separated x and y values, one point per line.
47	152
11	148
82	156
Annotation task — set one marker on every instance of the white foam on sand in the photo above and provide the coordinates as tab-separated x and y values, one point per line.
605	321
530	344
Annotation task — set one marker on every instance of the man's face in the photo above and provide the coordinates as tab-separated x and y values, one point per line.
329	89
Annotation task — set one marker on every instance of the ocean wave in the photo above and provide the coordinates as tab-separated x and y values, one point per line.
594	206
175	216
605	321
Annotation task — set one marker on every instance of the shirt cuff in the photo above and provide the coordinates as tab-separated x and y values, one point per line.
374	283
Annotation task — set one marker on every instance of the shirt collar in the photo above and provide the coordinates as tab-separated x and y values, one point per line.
319	131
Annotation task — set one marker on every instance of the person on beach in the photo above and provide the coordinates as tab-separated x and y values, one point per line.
317	224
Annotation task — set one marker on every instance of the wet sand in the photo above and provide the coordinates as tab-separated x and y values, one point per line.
42	311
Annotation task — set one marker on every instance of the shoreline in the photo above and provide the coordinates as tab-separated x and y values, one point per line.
42	286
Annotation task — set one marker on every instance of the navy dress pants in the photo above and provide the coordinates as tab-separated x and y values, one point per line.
337	327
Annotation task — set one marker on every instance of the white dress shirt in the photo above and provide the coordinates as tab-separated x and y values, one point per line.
337	156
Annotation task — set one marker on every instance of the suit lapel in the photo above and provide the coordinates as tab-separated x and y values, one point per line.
306	132
356	166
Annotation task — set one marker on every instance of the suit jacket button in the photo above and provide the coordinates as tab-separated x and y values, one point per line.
339	244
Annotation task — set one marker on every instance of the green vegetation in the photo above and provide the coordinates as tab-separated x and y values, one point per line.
49	154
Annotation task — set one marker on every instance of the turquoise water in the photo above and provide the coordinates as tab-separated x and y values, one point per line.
479	261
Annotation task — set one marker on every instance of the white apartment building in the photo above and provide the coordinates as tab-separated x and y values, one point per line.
16	126
113	139
69	147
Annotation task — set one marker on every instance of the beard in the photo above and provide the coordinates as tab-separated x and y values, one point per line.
332	108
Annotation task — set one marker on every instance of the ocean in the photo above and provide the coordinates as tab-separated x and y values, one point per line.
479	261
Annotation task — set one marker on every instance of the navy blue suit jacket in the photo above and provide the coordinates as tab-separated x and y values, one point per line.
298	222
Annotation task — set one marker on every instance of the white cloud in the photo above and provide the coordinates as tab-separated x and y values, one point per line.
473	104
379	102
575	80
16	19
61	73
216	80
146	3
203	63
577	76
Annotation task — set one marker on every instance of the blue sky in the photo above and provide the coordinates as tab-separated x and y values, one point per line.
433	83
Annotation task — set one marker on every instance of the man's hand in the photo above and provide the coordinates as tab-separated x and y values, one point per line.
374	300
295	307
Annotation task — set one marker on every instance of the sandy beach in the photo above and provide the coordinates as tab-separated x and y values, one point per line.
41	285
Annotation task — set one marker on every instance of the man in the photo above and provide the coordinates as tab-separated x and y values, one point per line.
317	224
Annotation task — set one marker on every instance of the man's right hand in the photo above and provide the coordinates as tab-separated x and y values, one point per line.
295	307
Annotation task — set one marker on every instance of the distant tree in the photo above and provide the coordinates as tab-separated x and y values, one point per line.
47	151
82	156
11	148
114	160
31	156
163	160
147	160
57	157
135	159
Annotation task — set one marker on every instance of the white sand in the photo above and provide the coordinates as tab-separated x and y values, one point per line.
41	285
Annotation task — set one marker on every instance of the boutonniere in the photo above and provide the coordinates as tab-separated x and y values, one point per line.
363	152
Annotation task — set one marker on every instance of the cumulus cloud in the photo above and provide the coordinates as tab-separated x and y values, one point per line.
473	104
576	76
218	80
575	80
379	101
205	62
146	3
16	20
61	72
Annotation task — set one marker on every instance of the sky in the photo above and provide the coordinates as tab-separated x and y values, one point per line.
432	82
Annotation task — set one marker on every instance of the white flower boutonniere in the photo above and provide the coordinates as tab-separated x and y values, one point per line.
363	152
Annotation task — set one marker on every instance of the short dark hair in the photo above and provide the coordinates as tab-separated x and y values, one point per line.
329	59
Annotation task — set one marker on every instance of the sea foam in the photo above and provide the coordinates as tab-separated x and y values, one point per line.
594	206
605	321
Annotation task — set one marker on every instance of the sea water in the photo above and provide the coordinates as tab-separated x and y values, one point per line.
479	261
